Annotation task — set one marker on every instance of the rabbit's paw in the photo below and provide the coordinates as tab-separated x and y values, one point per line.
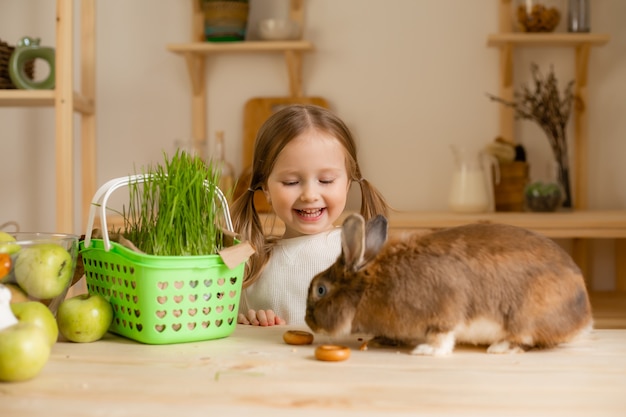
504	346
440	344
429	350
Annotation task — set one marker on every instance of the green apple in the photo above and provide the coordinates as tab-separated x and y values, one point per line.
24	350
7	244
38	314
43	270
84	318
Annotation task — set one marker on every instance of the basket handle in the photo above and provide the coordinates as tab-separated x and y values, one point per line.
101	197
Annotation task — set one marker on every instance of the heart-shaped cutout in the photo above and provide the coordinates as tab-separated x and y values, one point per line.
178	298
230	321
178	284
159	328
192	312
206	324
206	310
161	299
162	285
193	297
221	281
233	280
177	312
139	327
208	282
220	295
161	313
137	313
232	294
207	296
231	307
218	323
191	325
193	283
219	309
176	326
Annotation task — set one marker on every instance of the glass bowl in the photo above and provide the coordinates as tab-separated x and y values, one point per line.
38	266
537	15
543	197
278	29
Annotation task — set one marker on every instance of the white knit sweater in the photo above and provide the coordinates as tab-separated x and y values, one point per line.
284	283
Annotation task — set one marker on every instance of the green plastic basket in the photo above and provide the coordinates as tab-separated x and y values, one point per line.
160	299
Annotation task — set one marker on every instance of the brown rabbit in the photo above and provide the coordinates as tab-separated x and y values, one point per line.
483	284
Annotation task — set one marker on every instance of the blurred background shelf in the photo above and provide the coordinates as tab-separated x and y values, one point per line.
66	102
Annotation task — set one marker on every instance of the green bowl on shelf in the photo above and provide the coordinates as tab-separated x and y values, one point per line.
543	197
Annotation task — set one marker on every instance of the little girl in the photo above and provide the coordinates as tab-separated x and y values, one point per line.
304	162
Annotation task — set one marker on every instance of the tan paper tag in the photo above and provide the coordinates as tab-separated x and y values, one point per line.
234	255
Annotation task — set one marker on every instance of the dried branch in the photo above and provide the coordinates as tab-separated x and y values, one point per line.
542	104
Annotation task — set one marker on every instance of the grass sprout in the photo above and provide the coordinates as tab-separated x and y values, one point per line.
175	211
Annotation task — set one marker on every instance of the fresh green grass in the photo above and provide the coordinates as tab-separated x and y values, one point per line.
176	211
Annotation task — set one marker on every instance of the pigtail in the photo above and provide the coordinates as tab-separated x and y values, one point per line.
372	201
247	224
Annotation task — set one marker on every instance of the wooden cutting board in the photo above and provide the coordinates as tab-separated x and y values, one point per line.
256	112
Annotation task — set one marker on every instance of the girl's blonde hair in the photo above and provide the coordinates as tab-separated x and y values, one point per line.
279	129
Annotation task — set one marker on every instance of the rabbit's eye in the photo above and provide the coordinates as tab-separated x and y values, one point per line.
321	290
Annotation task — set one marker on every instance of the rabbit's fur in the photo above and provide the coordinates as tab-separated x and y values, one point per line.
486	284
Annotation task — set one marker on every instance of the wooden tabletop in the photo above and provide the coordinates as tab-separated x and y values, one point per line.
253	372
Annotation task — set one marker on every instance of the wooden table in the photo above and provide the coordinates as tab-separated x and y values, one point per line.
253	373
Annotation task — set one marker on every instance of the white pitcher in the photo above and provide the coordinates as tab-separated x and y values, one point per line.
472	186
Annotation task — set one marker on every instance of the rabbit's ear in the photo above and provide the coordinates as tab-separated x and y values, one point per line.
361	246
375	236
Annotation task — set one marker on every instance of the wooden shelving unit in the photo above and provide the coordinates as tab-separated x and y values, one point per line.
198	51
66	102
507	41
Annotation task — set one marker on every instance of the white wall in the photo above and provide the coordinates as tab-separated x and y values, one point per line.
410	78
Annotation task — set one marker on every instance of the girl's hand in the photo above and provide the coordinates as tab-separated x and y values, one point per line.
260	318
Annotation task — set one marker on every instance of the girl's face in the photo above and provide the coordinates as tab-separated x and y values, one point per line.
308	186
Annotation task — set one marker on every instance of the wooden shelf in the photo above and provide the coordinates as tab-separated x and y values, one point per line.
547	39
576	224
42	98
66	102
207	48
572	224
592	224
579	225
198	50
